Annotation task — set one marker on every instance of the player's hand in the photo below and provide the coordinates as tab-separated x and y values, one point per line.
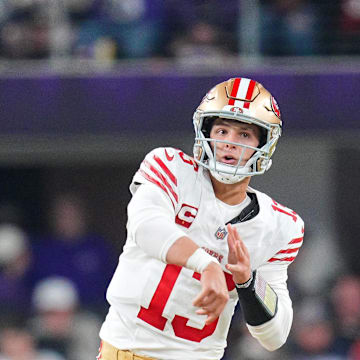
239	258
214	294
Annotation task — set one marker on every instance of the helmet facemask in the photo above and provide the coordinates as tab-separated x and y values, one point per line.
206	155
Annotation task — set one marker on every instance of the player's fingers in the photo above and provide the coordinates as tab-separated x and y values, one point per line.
230	230
199	299
232	267
212	313
231	240
236	234
244	248
205	298
240	254
211	318
231	244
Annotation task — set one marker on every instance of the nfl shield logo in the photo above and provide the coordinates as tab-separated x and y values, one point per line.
220	233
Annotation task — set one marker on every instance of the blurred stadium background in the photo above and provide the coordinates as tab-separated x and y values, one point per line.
88	87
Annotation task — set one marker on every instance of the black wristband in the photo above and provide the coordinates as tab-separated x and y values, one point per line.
258	301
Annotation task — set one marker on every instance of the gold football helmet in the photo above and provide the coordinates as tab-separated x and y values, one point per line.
243	100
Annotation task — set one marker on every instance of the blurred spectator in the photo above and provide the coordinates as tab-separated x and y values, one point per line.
289	27
59	325
18	344
15	260
345	300
201	45
349	24
24	34
311	277
201	30
121	28
354	353
71	250
313	333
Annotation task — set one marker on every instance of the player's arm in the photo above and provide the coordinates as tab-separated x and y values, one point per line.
263	295
273	333
151	223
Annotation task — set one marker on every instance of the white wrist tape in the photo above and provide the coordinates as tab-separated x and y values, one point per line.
199	260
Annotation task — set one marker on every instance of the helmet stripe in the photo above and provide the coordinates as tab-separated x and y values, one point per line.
234	91
242	90
249	93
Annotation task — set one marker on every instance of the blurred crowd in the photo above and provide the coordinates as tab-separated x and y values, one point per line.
52	286
52	294
187	29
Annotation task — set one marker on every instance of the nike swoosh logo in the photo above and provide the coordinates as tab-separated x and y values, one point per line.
168	156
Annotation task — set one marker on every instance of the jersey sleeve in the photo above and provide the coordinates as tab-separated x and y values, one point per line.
274	333
159	168
151	211
288	253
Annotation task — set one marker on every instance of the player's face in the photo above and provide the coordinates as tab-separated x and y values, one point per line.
237	132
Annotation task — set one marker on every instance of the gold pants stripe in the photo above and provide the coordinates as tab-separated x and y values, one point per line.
109	352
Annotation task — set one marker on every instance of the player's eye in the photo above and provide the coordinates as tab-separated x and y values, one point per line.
221	131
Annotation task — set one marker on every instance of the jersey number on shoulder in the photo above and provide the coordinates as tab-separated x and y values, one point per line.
188	160
283	209
153	314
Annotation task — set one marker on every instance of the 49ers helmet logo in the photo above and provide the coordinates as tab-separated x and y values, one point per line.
186	215
236	109
275	107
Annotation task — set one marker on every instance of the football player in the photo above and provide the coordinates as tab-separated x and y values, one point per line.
200	239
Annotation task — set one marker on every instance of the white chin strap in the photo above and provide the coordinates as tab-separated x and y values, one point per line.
226	178
223	172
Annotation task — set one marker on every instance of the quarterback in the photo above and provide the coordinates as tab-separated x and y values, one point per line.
200	239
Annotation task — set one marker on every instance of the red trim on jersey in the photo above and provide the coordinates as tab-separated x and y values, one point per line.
196	275
166	169
169	158
154	181
229	281
162	178
297	240
283	259
234	90
288	251
249	93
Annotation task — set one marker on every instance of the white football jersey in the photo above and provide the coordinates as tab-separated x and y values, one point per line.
151	310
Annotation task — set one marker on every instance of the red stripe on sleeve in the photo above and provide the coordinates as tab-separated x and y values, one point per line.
162	178
283	259
154	181
288	251
249	93
166	169
234	90
297	240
